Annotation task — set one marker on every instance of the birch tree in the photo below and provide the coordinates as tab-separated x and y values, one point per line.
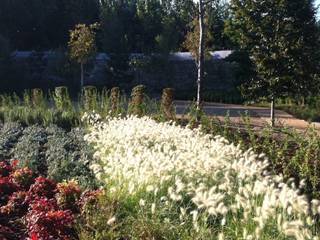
200	51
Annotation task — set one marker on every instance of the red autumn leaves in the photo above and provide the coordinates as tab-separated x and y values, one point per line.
37	208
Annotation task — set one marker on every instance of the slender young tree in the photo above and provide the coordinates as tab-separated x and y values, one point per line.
201	51
199	36
82	45
282	40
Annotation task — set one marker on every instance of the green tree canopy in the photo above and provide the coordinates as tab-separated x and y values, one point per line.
44	24
82	45
282	40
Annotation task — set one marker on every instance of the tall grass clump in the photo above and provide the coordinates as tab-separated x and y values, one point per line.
171	182
137	102
115	100
62	99
167	107
89	98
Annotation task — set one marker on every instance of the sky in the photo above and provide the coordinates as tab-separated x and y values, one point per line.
317	2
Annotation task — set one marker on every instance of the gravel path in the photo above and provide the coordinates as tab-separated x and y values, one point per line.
259	116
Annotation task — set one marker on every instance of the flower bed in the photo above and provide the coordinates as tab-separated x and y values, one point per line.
195	185
37	208
50	151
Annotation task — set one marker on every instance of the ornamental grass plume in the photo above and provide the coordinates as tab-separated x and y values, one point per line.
187	178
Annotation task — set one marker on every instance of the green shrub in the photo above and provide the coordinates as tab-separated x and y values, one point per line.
167	108
115	100
9	136
30	149
294	154
137	105
62	99
93	223
38	99
50	151
68	156
89	98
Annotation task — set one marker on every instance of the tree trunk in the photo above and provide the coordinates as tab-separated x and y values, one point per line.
272	116
201	53
82	76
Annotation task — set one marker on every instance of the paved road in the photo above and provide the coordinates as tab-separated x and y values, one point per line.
259	116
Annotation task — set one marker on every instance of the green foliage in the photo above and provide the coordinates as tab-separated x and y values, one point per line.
137	104
243	69
68	156
44	25
131	222
58	108
30	149
64	69
293	153
167	107
218	13
92	224
82	42
89	98
302	108
191	42
282	41
50	151
115	100
154	26
38	99
9	136
62	99
232	96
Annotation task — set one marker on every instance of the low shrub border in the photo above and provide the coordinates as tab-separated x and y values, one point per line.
37	208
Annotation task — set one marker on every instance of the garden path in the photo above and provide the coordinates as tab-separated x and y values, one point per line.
259	116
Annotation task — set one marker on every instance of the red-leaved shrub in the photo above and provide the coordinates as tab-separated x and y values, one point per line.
45	221
23	178
16	206
42	188
7	187
68	195
5	169
37	208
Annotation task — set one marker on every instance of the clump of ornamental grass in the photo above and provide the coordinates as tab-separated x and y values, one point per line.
167	107
136	106
90	98
62	99
115	99
181	183
37	97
